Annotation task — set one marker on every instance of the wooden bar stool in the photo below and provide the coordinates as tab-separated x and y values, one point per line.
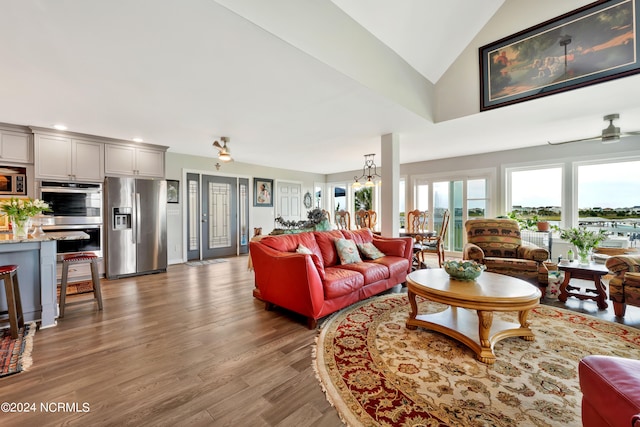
95	278
9	275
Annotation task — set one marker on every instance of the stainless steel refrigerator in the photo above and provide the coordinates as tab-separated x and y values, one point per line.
136	226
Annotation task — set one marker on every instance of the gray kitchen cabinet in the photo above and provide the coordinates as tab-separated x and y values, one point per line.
68	159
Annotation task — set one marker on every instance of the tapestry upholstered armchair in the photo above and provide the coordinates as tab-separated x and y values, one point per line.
624	286
496	243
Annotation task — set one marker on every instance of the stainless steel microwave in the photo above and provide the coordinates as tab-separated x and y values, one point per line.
13	184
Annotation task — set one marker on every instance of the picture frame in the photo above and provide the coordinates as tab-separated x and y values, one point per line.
262	192
173	191
589	45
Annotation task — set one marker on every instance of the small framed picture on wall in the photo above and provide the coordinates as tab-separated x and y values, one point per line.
173	191
262	192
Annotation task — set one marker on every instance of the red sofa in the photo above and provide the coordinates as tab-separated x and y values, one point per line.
610	391
315	285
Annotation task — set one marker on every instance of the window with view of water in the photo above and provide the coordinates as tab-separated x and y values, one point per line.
609	197
536	193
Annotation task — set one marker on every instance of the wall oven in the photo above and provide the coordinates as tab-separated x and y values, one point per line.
73	203
66	247
75	206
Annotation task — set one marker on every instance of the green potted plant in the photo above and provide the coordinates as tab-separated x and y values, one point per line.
584	240
530	223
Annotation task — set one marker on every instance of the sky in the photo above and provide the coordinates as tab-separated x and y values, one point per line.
612	185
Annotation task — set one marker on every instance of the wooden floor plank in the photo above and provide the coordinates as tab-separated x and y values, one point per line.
189	347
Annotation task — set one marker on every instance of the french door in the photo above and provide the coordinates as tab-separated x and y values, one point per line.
217	216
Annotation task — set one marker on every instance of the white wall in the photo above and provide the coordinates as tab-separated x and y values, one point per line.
457	90
177	165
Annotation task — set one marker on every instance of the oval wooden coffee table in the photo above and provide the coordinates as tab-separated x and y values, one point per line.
469	318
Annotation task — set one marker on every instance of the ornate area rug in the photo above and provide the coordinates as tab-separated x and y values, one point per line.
15	354
74	288
377	372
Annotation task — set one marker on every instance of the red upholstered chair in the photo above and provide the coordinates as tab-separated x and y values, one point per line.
496	243
610	391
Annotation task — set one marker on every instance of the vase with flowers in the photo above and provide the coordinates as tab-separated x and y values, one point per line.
20	212
584	240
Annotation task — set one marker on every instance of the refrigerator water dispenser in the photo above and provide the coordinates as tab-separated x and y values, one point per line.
122	218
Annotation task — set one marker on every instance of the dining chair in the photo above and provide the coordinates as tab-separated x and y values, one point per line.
343	220
327	215
434	244
417	221
373	218
415	225
366	219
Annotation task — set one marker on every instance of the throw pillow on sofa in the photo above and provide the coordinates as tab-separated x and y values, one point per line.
303	250
347	251
369	250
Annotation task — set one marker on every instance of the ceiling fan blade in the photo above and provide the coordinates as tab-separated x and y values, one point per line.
595	138
217	145
637	132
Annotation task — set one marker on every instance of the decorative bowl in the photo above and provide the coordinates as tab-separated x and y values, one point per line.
463	270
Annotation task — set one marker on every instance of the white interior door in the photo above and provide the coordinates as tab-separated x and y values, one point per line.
289	200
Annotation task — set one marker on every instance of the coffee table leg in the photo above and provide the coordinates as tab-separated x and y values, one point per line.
485	319
524	324
602	293
562	296
414	309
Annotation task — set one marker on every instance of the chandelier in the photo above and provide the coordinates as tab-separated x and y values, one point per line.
369	172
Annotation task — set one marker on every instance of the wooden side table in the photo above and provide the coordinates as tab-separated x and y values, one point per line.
591	271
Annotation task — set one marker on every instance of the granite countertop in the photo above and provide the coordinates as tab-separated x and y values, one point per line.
50	235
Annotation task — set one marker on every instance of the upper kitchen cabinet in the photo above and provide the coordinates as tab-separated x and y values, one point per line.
15	147
64	158
130	160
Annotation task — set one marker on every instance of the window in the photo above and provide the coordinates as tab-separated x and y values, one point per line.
609	197
464	197
536	191
402	195
363	199
476	198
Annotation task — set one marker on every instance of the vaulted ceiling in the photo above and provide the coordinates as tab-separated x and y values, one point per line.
309	85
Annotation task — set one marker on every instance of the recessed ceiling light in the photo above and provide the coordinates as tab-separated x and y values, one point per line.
60	127
138	140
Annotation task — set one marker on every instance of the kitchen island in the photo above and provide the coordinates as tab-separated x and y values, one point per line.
36	261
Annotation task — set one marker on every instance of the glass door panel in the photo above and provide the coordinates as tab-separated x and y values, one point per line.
219	213
193	216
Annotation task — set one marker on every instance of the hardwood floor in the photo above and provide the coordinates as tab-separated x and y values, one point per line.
190	347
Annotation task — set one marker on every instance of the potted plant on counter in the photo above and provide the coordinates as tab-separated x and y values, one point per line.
20	212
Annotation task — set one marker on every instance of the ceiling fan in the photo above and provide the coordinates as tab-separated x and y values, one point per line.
611	134
224	153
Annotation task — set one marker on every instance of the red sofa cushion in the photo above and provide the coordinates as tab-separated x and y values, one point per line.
290	242
372	272
397	266
327	246
391	247
610	390
340	281
362	235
